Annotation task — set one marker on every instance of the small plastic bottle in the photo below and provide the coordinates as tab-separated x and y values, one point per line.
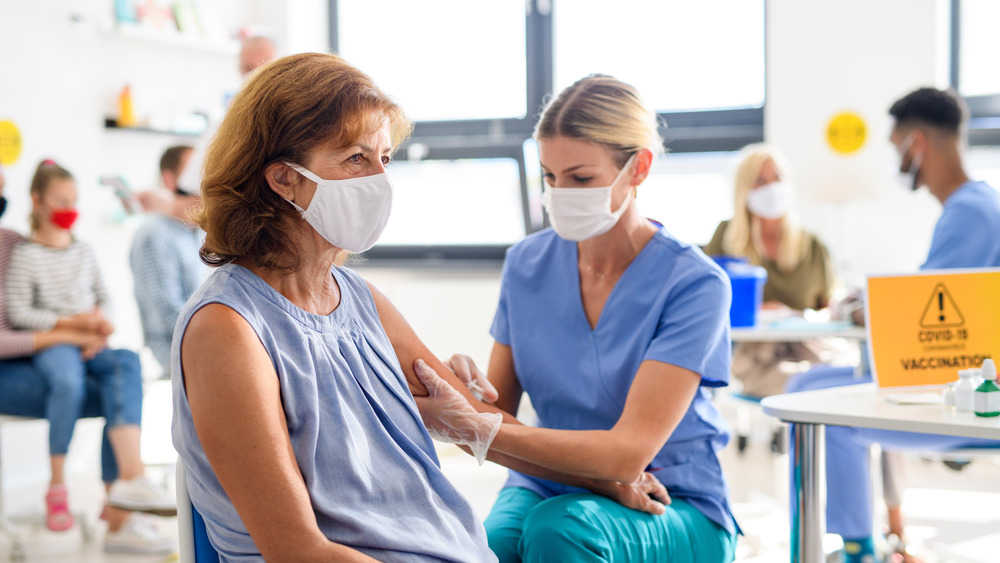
126	115
987	397
965	390
948	395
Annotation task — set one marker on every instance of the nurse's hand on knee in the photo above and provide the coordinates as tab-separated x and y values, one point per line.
645	493
450	418
475	380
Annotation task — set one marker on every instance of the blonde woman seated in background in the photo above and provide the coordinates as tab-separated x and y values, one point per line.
799	274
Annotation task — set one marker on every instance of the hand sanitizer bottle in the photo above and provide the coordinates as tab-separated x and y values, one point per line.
987	397
965	390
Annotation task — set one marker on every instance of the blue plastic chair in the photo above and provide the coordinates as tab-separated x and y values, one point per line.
195	546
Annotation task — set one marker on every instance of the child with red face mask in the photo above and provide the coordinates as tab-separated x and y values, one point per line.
53	281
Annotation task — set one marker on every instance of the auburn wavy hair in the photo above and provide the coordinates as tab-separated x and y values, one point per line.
285	109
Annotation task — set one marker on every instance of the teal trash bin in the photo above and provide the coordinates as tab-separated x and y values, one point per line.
747	282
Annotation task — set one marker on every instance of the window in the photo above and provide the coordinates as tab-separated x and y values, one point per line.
473	76
675	65
974	44
433	200
689	194
467	61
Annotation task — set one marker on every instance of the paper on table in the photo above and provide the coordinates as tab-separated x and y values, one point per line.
914	398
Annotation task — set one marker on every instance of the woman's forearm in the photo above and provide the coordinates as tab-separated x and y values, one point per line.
582	454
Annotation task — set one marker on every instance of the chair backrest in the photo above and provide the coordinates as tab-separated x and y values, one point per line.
192	534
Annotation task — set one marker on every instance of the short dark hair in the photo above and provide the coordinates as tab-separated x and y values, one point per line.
171	159
942	109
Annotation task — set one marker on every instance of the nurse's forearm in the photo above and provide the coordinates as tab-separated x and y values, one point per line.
589	454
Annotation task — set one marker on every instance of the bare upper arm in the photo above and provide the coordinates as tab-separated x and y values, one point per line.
235	401
409	348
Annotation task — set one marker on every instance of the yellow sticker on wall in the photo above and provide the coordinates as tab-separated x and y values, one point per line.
846	132
10	143
925	327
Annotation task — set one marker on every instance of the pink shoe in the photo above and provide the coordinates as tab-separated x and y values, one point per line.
57	516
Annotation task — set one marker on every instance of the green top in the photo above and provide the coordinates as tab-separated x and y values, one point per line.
987	386
808	286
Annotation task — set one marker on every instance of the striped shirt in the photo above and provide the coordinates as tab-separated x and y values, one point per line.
46	283
13	343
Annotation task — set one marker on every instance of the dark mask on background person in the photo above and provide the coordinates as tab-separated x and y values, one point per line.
3	205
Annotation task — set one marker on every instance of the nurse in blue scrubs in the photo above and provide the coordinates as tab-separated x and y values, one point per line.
617	332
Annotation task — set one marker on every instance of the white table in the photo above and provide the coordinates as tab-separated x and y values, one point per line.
862	406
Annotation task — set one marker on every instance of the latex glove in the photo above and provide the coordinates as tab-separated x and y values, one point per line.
474	380
450	418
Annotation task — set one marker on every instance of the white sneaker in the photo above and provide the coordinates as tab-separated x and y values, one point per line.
141	495
138	534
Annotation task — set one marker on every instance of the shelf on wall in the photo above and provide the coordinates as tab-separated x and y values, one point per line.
112	124
175	39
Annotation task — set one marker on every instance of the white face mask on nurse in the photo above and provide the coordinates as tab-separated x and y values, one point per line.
579	198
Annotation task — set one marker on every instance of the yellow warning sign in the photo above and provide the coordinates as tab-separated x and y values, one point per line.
925	327
941	310
846	132
10	143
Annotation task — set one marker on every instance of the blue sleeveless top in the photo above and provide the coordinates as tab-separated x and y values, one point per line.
370	467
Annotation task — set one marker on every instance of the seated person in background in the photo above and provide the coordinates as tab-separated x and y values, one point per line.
799	274
109	386
927	137
165	264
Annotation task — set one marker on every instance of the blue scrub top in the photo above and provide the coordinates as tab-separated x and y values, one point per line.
671	305
967	234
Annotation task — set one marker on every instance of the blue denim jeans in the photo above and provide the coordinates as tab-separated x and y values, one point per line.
58	385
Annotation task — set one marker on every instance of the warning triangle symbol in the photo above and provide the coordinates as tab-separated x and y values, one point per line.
941	310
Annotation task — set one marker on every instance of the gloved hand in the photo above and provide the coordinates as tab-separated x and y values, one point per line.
450	418
475	380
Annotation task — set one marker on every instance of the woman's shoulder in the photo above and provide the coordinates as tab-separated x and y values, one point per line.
533	251
813	243
9	237
682	261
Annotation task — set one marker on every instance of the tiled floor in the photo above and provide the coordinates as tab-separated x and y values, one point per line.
954	516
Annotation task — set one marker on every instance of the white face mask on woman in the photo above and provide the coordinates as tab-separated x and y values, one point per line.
908	179
770	201
350	214
581	213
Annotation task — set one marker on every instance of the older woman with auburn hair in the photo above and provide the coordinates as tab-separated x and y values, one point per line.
291	412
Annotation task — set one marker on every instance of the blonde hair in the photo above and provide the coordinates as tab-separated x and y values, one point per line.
287	108
603	110
743	236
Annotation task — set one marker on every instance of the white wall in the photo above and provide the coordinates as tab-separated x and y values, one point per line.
859	56
62	68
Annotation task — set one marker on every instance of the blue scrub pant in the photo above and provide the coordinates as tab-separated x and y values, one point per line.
58	386
583	527
848	479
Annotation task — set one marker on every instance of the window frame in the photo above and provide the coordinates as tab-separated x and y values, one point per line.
984	110
686	131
